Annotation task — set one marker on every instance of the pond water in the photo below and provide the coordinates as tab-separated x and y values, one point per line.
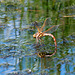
18	50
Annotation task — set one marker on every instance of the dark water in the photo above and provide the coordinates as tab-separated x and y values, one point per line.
17	45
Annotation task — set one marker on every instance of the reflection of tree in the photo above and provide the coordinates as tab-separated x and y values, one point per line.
45	7
22	14
58	69
66	21
20	64
29	63
47	63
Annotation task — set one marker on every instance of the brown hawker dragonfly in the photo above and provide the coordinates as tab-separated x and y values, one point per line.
40	34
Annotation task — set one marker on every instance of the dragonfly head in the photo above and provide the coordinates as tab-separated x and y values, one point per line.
34	35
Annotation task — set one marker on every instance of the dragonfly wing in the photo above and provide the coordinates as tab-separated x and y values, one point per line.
36	24
52	29
46	22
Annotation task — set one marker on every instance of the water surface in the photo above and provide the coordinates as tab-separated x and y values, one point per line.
18	47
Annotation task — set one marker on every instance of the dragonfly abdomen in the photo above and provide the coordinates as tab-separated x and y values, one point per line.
47	34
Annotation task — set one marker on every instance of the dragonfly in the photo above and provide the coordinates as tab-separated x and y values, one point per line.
40	34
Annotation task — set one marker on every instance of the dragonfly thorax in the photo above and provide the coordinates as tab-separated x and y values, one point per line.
38	34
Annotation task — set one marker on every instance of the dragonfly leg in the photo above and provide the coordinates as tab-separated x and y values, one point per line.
37	39
41	41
